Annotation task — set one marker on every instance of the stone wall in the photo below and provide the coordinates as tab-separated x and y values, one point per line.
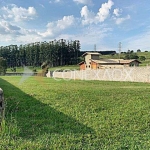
133	74
1	105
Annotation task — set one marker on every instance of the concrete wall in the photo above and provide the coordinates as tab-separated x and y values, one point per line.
133	74
1	105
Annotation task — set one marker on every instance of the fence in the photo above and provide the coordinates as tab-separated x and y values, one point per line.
133	74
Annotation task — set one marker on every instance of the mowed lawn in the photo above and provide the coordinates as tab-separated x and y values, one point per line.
45	114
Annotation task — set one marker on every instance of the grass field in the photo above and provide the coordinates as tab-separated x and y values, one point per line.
44	114
38	69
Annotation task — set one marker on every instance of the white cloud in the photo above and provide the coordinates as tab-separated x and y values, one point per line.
101	16
93	34
89	16
104	10
86	2
18	13
121	20
11	33
42	5
54	28
57	1
117	12
7	28
139	41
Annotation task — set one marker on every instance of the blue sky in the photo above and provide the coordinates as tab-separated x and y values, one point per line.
101	22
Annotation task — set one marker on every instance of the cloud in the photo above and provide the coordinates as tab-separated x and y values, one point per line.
139	41
89	16
121	20
117	12
42	5
7	28
88	36
18	13
13	33
57	1
86	2
103	13
54	28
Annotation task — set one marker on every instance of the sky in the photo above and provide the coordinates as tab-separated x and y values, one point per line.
103	23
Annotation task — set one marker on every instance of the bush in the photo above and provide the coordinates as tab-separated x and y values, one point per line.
34	70
131	56
142	58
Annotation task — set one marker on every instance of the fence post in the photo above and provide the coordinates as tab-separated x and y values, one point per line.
1	106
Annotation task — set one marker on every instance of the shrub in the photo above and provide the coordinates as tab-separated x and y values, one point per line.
142	58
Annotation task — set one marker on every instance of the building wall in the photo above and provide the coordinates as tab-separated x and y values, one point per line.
82	66
87	59
94	65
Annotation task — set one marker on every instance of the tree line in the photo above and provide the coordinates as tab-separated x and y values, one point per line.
55	53
3	66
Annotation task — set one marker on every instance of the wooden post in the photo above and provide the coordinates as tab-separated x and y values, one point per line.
1	106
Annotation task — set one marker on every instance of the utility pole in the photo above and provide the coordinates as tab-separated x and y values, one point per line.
119	48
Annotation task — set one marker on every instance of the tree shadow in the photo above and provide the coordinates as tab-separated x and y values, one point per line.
34	118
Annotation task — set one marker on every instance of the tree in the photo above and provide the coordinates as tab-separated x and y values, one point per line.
56	52
138	50
3	66
142	58
131	55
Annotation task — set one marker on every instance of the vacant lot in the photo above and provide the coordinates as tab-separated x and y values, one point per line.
44	114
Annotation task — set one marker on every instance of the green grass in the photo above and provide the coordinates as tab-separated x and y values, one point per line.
116	56
38	69
21	69
44	114
147	55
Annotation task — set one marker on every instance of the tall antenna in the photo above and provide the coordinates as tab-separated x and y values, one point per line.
95	47
119	48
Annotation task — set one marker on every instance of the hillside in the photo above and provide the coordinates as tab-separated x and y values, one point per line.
122	55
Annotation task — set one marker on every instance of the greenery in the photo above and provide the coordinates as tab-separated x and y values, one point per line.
42	113
39	69
145	57
142	58
3	66
57	53
131	55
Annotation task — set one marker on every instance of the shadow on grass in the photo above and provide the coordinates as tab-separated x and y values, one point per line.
34	118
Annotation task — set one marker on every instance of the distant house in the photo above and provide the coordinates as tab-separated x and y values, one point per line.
93	61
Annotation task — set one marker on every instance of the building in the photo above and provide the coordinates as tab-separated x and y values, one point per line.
93	61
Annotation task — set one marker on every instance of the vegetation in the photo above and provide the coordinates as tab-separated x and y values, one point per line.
131	55
57	53
3	66
144	57
42	113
